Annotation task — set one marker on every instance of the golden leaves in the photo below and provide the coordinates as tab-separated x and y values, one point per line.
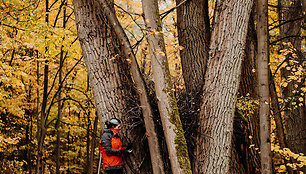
299	159
282	168
129	61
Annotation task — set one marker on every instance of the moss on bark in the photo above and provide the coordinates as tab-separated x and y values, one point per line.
180	141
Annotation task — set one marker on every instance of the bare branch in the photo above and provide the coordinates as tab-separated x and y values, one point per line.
283	23
286	37
163	15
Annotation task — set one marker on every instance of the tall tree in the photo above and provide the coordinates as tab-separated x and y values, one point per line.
42	133
99	45
193	33
167	106
106	66
263	83
108	71
291	18
221	86
156	157
59	111
246	121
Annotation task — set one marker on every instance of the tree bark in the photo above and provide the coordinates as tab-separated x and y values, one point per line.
221	85
156	157
167	106
99	46
193	33
246	124
263	81
92	147
294	116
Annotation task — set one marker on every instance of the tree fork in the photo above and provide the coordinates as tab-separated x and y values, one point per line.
167	106
156	157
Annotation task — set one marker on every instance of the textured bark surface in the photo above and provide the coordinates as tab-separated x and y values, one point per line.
247	124
99	46
155	154
221	86
294	117
193	34
167	106
263	84
109	78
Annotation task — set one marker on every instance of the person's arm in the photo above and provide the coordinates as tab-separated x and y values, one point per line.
106	143
127	146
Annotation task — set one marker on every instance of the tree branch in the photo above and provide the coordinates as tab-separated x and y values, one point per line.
292	20
286	37
163	15
60	87
12	26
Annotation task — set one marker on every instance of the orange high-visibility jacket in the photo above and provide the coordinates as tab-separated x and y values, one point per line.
111	150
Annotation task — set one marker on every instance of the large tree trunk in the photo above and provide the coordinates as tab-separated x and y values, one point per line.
221	85
246	123
174	134
263	83
156	157
107	68
294	116
109	75
193	34
98	47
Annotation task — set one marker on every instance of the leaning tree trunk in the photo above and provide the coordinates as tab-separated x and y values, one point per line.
109	76
246	124
263	83
221	86
99	47
154	148
167	106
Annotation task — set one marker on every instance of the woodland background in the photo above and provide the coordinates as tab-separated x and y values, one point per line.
47	106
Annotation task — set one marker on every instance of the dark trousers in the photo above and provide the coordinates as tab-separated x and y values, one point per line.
115	171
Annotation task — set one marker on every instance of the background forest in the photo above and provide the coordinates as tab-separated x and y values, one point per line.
55	97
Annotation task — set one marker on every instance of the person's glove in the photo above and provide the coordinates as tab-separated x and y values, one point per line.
126	151
129	146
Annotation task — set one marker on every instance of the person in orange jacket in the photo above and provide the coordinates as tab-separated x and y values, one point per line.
112	149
